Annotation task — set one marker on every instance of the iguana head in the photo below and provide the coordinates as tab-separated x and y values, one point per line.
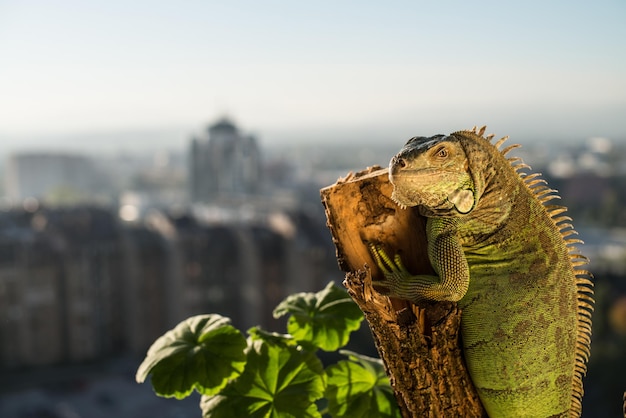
433	173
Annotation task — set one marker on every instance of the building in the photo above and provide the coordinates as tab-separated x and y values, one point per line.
77	285
62	278
62	178
224	164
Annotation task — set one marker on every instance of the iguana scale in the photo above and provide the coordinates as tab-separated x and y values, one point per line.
506	255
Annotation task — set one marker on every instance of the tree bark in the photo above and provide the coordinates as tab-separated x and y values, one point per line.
419	345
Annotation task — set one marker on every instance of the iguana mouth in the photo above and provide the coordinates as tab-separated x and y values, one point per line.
429	201
397	202
421	177
419	187
411	172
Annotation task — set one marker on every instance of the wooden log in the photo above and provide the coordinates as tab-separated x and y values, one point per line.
419	345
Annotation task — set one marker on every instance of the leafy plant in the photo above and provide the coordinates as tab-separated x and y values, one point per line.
359	387
203	353
271	374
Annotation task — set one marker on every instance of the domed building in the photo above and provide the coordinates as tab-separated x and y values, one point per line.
225	164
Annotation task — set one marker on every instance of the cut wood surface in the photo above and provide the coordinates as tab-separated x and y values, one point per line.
418	345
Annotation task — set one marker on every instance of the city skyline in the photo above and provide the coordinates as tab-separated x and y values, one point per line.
77	75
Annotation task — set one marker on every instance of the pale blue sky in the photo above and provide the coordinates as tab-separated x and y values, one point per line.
335	69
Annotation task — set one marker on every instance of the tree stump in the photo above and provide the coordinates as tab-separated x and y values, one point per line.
419	345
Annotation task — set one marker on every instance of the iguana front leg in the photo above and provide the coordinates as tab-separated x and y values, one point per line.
447	259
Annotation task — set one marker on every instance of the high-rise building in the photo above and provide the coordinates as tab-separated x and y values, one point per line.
224	164
40	175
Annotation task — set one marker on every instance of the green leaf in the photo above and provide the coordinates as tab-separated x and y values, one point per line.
203	352
257	333
359	388
324	319
278	381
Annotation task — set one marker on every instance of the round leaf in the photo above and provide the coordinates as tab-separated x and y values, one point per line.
274	338
360	388
203	352
278	381
324	319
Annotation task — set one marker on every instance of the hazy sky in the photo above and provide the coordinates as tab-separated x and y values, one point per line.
302	70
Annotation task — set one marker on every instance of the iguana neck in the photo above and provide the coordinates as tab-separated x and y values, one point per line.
497	189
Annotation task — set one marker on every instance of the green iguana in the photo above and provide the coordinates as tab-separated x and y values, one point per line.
502	252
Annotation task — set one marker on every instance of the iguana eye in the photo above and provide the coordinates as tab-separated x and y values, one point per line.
442	153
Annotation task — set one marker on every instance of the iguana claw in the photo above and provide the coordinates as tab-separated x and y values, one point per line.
393	270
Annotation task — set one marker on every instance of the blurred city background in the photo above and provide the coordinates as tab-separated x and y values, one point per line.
159	161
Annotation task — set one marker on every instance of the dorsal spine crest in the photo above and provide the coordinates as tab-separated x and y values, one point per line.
585	303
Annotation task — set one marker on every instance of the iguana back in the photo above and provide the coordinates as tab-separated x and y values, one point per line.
526	321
